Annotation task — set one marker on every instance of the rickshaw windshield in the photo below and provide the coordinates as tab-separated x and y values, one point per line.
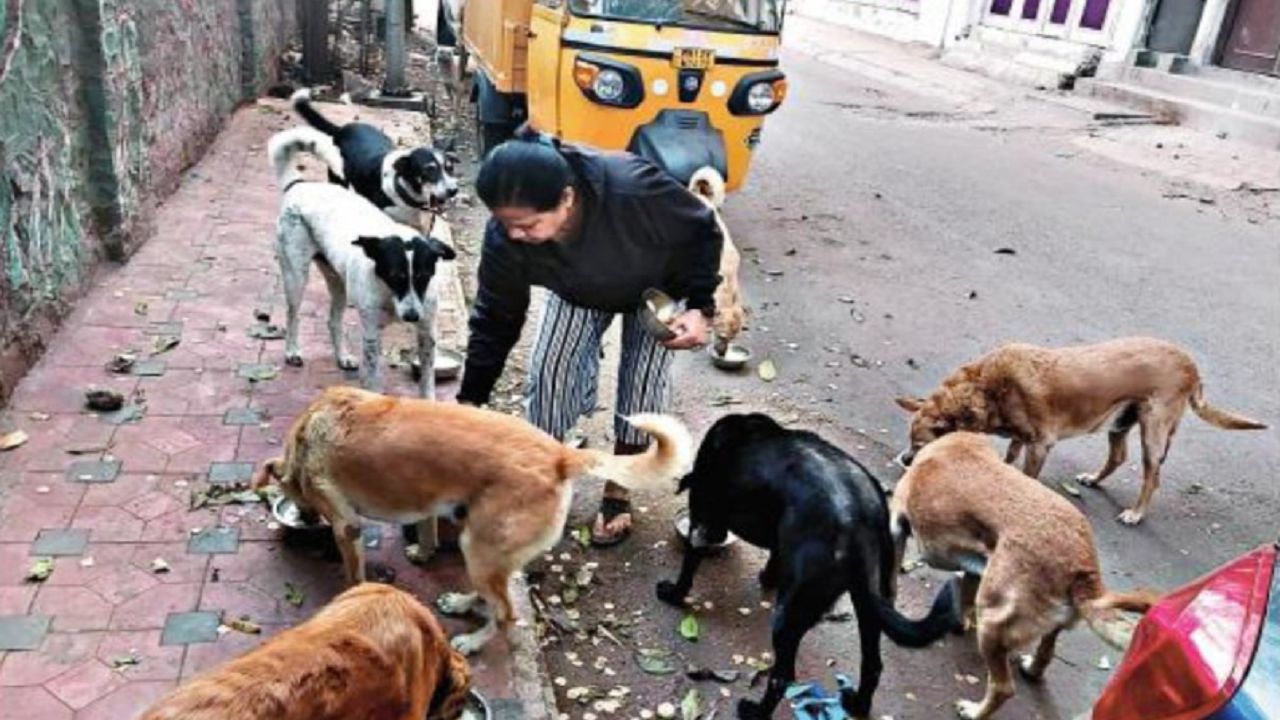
763	16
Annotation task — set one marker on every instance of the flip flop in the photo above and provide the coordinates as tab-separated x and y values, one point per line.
610	508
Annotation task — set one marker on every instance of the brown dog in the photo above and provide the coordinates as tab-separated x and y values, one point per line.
1037	396
355	454
731	315
373	652
1033	549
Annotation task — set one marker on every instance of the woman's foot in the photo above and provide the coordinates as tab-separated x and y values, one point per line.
613	522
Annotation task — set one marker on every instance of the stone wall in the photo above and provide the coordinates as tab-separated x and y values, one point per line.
103	105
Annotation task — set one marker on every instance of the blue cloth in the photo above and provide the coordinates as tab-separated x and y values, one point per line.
810	701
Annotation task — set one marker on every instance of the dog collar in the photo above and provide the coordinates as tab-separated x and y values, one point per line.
408	200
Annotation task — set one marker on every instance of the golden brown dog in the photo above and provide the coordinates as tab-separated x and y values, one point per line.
354	454
373	652
1037	396
731	315
1033	549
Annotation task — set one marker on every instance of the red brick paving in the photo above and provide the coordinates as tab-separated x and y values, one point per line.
209	266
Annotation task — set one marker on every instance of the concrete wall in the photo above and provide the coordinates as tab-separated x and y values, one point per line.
103	104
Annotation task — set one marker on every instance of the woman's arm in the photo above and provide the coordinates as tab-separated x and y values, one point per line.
502	302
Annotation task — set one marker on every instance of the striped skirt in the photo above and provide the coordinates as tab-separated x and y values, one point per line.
565	367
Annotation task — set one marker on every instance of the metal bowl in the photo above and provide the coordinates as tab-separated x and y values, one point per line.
448	364
476	707
286	512
657	312
682	529
734	357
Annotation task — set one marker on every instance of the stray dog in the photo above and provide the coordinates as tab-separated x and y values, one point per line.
373	652
1032	548
363	255
730	316
354	454
825	522
402	183
1037	396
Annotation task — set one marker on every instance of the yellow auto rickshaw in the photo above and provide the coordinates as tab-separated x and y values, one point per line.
686	83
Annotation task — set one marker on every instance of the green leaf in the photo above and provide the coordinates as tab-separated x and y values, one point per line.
688	628
41	569
655	662
691	705
583	536
293	595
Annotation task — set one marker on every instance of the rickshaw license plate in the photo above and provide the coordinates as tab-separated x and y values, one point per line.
693	58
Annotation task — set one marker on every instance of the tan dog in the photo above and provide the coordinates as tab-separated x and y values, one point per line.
354	454
373	652
1037	396
731	315
1033	549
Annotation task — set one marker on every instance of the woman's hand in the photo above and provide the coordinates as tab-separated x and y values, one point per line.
690	329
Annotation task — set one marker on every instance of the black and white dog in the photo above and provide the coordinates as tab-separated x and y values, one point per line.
363	255
825	522
402	183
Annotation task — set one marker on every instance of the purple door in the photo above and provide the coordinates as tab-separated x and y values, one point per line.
1253	42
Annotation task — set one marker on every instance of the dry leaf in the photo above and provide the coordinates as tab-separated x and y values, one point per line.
40	416
124	661
768	371
244	625
164	344
11	440
293	595
655	662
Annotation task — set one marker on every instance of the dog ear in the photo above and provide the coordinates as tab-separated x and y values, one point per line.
368	244
452	686
910	404
444	252
403	164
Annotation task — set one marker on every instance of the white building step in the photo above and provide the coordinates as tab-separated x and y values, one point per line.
1198	114
1230	90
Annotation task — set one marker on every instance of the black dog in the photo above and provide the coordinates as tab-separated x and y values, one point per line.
401	183
825	522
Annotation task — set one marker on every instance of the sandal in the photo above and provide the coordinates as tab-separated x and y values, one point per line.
610	509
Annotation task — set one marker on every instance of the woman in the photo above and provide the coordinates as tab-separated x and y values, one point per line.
596	230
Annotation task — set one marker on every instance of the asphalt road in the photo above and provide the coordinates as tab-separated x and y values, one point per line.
870	226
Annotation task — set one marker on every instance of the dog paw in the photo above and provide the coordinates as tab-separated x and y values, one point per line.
468	644
670	594
1087	479
1027	664
1130	517
456	603
293	360
346	362
968	710
751	710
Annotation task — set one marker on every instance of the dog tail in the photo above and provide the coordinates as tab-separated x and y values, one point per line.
944	617
708	184
283	148
1220	418
301	102
667	459
1101	614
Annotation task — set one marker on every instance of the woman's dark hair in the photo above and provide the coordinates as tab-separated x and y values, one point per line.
526	171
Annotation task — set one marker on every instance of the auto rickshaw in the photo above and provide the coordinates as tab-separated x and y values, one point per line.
685	83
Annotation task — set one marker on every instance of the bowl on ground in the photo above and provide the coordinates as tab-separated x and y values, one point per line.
682	529
733	357
287	513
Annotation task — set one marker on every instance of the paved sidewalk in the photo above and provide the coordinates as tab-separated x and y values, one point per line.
105	496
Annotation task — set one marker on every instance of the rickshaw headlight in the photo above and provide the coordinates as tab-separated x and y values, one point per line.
608	85
760	97
759	93
607	81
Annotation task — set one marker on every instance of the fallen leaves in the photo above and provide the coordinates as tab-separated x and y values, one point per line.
41	569
122	661
13	439
293	595
691	705
767	371
655	662
164	343
244	625
219	495
688	628
266	331
103	399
